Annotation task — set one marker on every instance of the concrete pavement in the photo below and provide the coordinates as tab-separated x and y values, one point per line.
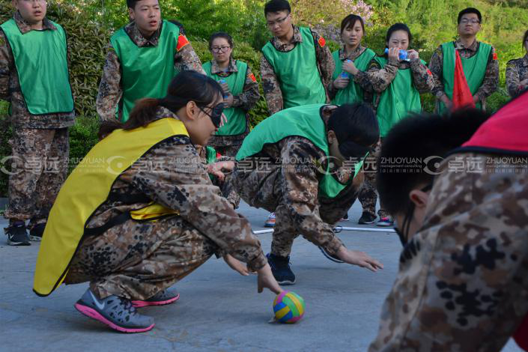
219	310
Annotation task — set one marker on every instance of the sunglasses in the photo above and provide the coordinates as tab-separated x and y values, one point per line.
402	234
215	115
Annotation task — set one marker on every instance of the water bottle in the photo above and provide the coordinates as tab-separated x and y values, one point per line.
345	74
403	54
226	95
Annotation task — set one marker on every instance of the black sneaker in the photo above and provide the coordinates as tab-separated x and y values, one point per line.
367	218
17	235
280	267
116	312
36	232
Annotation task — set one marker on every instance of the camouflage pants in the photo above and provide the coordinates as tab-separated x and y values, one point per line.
463	278
228	191
136	260
264	190
39	168
368	196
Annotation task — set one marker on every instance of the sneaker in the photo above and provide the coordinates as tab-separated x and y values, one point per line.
331	257
36	232
345	218
17	235
116	312
271	221
385	222
280	267
161	298
367	218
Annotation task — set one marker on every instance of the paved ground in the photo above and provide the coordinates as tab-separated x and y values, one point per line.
218	310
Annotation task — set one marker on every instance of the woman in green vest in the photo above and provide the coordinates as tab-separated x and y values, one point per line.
150	215
353	57
397	77
241	93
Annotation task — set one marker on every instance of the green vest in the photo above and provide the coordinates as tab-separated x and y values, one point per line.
353	92
236	117
42	66
399	99
303	121
297	72
474	69
146	72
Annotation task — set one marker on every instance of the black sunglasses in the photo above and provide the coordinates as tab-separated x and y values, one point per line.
216	114
402	234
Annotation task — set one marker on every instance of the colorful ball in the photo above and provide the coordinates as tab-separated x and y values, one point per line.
288	307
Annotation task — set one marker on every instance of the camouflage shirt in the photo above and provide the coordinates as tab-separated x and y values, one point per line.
110	91
491	77
367	96
463	278
516	72
245	101
270	82
10	89
377	79
173	175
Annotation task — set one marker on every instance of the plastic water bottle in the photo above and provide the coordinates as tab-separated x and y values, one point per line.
345	74
226	95
403	54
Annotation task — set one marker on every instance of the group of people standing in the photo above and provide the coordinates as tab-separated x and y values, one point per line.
153	218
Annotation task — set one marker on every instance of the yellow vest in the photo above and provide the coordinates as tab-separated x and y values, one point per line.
86	189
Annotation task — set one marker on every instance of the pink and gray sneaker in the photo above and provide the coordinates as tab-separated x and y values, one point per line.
161	298
116	312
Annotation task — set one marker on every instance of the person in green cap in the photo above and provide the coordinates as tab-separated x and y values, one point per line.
41	111
479	61
397	77
142	59
241	93
304	164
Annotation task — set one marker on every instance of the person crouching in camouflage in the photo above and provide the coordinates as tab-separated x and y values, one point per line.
42	109
151	215
304	164
463	278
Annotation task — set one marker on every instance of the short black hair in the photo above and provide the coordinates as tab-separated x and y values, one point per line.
350	21
224	35
356	128
469	10
276	6
131	4
417	145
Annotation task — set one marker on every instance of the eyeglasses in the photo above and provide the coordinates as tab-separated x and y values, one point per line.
279	21
217	49
403	233
216	114
466	21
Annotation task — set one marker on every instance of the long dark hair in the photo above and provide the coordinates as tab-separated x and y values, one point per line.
185	87
394	28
